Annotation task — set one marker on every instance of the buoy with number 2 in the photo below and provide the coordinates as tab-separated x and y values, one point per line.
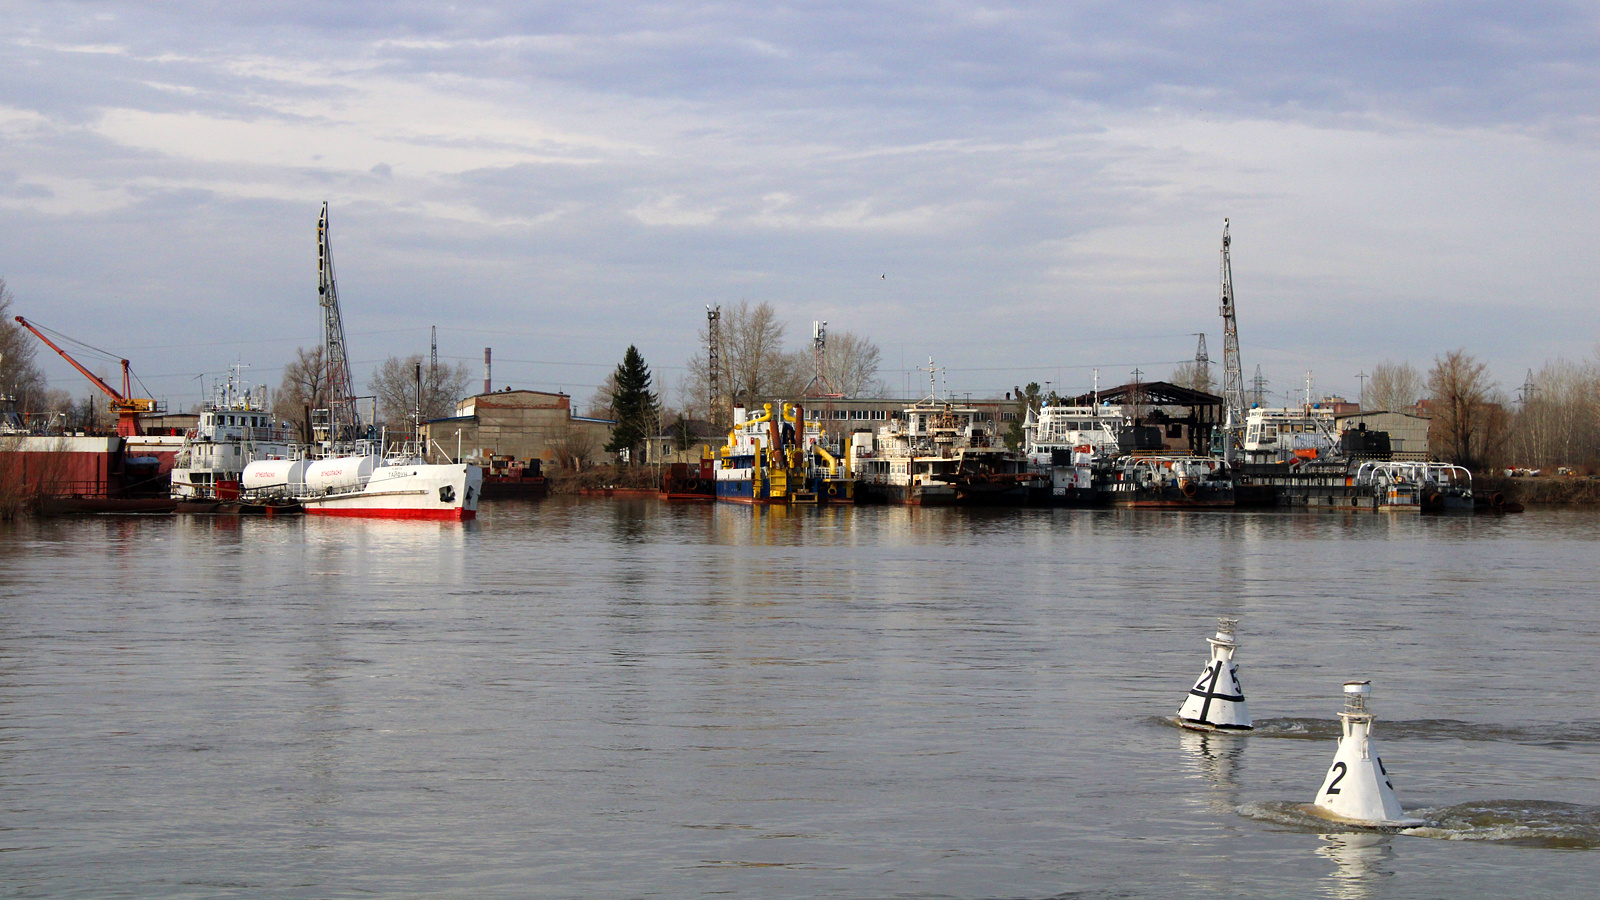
1357	790
1216	702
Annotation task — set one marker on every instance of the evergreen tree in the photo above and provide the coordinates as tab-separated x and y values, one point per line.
635	406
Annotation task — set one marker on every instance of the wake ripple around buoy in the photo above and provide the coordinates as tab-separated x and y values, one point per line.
1552	735
1536	823
1533	823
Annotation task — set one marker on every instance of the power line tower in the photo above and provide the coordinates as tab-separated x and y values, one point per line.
1258	388
1528	389
1232	375
713	363
1202	362
341	423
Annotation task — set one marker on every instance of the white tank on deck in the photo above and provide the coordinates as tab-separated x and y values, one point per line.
1216	702
340	473
1357	789
273	474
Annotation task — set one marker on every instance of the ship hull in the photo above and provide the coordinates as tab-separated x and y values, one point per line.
441	493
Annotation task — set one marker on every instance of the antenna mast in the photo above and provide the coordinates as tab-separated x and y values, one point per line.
342	423
1232	374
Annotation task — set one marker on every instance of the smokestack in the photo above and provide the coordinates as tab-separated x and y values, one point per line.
486	388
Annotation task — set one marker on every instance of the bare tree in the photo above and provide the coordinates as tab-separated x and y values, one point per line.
1468	424
1558	423
574	447
1392	387
304	386
754	366
22	385
1193	377
850	362
395	383
600	403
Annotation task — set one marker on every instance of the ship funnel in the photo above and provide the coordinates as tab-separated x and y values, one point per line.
1216	702
1357	789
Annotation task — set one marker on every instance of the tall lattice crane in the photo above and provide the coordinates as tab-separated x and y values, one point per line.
340	423
1232	372
714	364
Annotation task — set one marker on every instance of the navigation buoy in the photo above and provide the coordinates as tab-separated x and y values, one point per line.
1357	790
1216	702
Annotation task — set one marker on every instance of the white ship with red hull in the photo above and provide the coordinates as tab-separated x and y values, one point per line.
370	487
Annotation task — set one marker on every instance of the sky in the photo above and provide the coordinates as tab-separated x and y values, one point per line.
1020	191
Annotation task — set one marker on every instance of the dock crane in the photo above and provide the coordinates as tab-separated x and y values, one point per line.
128	409
1232	371
339	422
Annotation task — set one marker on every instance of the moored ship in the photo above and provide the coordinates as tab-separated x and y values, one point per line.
367	485
779	456
939	454
233	431
1170	482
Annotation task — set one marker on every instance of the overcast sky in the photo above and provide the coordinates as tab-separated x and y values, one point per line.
1022	191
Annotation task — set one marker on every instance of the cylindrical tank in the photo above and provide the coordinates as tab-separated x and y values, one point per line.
273	473
340	472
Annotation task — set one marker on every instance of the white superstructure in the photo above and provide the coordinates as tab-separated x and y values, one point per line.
235	430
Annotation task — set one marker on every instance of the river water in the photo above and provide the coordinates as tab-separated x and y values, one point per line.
632	699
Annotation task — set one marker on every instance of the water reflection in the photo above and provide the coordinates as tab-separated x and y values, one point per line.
1360	860
1216	759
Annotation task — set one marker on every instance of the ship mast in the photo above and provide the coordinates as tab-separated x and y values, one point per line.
342	423
1232	373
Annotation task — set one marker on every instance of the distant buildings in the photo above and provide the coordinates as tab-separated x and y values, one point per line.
526	425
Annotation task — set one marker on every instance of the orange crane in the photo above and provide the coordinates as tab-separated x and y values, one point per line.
128	409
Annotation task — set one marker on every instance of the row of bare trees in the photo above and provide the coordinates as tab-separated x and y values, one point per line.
394	383
756	367
1555	422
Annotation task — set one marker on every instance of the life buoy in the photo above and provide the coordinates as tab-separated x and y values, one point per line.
1189	489
833	490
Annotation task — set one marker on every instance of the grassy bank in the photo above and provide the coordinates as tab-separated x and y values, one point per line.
1541	491
569	482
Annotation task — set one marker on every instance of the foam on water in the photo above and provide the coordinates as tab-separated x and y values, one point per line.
1534	823
1553	734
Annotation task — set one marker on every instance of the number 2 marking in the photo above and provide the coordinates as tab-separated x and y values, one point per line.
1333	786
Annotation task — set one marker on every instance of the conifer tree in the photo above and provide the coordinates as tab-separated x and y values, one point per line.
634	404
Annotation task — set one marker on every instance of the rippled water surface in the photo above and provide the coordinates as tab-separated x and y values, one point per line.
630	699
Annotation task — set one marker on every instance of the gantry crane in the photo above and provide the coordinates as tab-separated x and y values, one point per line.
128	409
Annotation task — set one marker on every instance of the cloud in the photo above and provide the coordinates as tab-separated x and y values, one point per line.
1042	184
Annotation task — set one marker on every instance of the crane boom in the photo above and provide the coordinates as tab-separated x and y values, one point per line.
342	423
1232	370
127	409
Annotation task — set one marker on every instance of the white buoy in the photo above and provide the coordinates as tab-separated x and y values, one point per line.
1357	790
1216	702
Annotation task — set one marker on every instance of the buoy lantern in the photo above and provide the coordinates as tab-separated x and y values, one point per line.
1216	702
1357	789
